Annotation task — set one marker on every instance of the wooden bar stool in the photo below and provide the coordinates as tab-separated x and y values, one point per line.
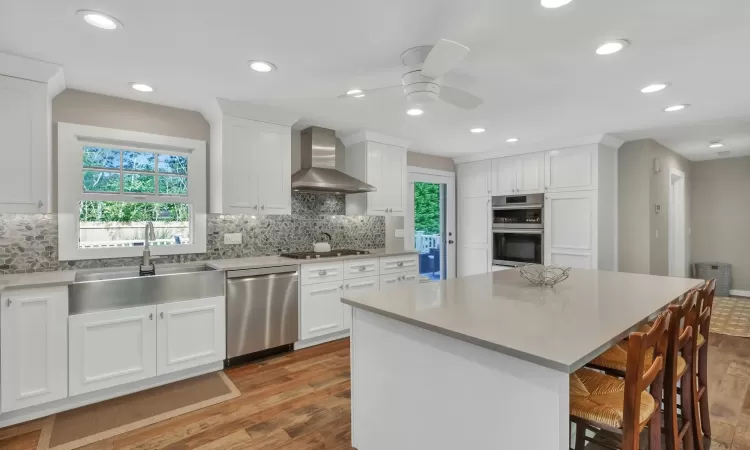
607	404
680	369
701	342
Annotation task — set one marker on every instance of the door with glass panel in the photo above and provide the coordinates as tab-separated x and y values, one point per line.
430	222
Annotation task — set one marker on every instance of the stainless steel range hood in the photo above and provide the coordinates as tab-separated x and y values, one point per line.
318	173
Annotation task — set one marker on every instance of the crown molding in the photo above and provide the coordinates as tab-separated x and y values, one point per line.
600	139
250	111
371	136
34	70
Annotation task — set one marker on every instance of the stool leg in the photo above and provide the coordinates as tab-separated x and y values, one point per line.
580	436
705	417
671	424
687	406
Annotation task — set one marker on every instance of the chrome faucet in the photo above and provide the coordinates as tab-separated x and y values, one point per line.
147	267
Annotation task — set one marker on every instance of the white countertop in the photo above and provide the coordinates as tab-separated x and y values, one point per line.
562	329
37	279
269	261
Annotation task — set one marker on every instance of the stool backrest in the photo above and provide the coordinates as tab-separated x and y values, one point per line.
638	378
706	304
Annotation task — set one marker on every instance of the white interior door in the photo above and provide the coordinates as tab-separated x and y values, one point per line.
446	183
677	224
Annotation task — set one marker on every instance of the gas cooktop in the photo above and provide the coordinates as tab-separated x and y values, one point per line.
332	254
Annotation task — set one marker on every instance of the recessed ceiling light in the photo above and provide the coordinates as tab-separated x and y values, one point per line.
656	87
99	20
415	112
612	47
674	108
262	66
477	130
354	92
141	87
555	3
715	145
511	140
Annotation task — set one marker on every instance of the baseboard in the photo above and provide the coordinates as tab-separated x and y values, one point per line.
739	293
321	339
35	412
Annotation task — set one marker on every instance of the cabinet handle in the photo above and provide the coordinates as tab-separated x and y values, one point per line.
347	286
400	264
341	287
361	268
255	207
40	204
151	316
9	302
263	207
161	314
322	273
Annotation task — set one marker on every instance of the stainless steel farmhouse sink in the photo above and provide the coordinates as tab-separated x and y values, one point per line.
123	288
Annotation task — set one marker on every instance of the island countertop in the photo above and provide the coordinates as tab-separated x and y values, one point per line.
561	328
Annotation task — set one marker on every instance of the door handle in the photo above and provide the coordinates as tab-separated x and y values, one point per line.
450	242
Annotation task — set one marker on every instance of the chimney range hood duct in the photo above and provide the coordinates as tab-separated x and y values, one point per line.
318	173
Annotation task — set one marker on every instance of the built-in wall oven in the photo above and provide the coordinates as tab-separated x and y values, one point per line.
518	230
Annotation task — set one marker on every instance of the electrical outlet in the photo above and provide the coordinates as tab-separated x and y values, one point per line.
233	238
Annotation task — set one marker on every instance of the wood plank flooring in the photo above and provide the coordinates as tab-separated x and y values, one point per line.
302	401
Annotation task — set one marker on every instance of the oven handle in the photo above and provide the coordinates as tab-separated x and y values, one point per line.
507	207
517	231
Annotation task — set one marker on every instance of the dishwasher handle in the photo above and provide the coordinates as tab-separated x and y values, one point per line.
245	273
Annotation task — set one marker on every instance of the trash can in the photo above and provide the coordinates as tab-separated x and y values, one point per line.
721	271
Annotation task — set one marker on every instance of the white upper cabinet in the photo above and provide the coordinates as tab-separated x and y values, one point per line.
572	169
33	347
530	173
474	179
251	160
25	149
380	161
504	180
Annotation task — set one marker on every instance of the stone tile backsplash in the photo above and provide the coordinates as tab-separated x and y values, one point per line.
28	242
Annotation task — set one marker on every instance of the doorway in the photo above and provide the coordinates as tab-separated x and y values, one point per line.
430	222
677	224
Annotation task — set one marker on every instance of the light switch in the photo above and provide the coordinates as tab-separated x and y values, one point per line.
232	238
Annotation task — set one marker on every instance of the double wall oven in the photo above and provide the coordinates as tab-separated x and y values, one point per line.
517	230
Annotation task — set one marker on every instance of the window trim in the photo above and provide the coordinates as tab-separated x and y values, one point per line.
71	138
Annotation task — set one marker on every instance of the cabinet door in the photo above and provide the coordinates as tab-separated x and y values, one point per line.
394	176
241	162
322	311
572	169
377	202
273	146
474	179
111	348
473	261
474	222
530	173
356	287
34	360
571	229
190	334
504	180
398	264
24	128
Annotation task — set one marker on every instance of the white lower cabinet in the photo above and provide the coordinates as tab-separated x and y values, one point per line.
33	347
190	334
110	348
358	286
322	311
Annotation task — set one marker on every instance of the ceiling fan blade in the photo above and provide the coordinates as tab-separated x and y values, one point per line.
371	91
460	98
444	56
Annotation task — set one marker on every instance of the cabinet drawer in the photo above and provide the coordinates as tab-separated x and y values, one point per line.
360	268
397	264
322	272
403	279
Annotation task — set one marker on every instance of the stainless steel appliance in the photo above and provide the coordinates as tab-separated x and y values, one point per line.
332	254
518	230
262	312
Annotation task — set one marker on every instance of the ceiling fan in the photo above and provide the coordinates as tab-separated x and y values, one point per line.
423	83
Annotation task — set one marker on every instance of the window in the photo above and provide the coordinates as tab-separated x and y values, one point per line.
113	182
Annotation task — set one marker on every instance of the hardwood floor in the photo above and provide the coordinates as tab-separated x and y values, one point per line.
301	401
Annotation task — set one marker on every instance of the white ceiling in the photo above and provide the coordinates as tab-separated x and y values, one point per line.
535	68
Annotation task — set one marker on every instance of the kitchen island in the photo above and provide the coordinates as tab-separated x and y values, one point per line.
482	362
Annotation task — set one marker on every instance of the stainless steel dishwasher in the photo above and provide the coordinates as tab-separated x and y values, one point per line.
262	312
